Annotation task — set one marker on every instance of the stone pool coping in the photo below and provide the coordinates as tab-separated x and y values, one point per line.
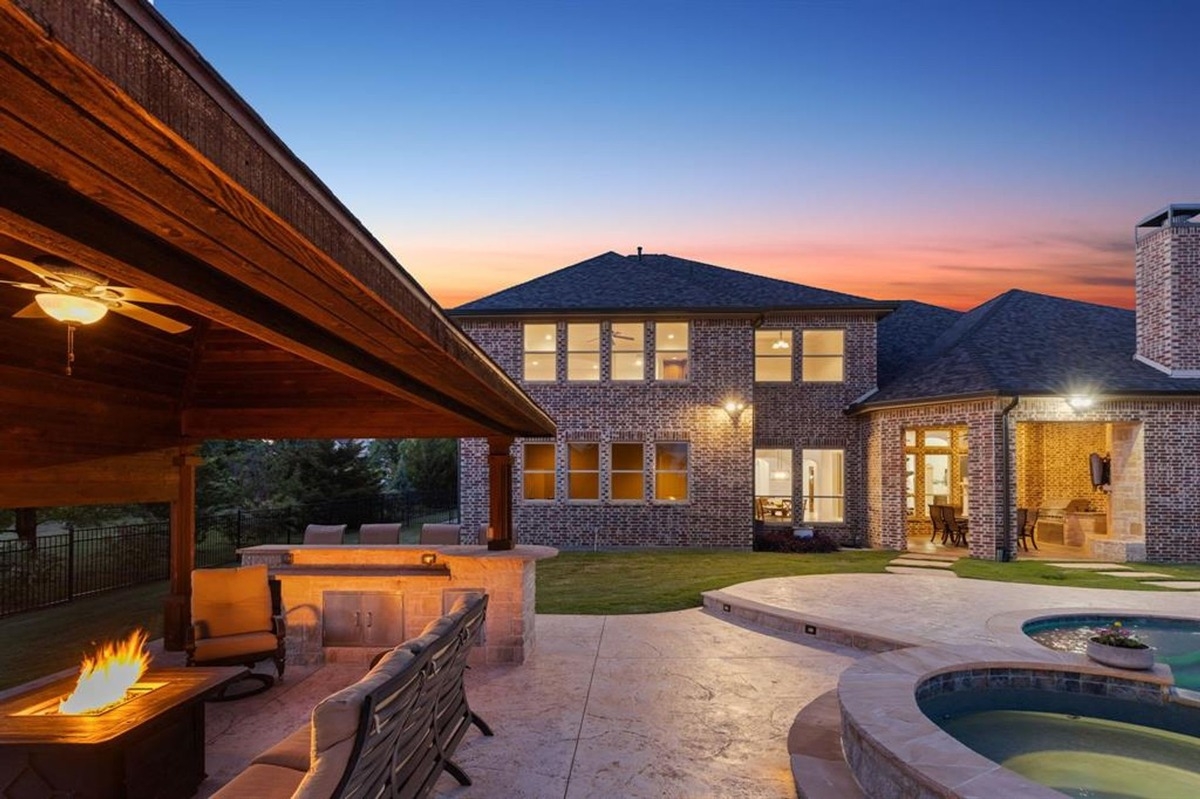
894	749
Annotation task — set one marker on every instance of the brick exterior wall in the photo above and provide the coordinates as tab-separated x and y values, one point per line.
1054	465
1167	279
720	509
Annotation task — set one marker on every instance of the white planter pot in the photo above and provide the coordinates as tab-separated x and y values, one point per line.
1121	657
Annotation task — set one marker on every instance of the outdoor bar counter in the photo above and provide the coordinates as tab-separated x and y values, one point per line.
349	602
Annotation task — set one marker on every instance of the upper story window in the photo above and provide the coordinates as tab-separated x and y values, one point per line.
773	356
583	471
671	472
628	351
671	351
583	351
628	470
539	351
823	356
538	472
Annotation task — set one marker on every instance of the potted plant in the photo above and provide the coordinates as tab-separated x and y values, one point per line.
1115	646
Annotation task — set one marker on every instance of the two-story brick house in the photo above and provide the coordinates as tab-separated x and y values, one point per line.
693	402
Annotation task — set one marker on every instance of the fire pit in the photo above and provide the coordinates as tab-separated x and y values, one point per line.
147	743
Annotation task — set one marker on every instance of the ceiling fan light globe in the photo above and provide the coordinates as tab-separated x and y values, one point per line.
70	309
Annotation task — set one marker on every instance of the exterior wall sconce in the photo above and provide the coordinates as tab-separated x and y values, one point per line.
1080	402
734	408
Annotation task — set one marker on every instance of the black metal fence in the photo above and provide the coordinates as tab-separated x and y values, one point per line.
77	563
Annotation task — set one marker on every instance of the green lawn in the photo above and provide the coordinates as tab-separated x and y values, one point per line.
659	580
42	642
1042	573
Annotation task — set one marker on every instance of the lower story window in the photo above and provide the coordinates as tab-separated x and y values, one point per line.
583	471
671	472
773	485
823	485
628	470
538	472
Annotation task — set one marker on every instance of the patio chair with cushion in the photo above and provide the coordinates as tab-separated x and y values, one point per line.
324	533
379	533
440	534
237	620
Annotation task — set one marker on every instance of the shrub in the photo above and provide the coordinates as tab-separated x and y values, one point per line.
785	541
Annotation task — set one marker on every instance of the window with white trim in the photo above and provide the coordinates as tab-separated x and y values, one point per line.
627	470
823	356
538	471
671	471
539	351
671	351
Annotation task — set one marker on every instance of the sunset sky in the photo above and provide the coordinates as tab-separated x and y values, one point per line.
941	151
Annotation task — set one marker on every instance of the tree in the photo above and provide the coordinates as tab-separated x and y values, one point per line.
430	467
318	471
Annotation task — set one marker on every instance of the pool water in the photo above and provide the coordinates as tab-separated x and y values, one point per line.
1176	642
1082	756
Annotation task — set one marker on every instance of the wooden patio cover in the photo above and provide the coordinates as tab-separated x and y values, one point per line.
122	151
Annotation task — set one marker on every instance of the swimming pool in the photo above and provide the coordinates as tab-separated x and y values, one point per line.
1176	641
1084	756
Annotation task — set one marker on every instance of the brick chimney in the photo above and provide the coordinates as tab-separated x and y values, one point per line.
1167	281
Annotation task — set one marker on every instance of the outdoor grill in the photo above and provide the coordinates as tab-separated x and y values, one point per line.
1052	517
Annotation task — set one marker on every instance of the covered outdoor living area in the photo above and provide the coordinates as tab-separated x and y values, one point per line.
171	273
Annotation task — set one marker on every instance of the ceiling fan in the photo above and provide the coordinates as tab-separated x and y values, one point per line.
77	296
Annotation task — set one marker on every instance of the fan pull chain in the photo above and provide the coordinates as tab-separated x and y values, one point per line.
70	348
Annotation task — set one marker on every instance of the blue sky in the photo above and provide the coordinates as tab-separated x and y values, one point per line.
943	151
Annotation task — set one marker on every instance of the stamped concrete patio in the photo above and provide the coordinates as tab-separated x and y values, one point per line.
696	703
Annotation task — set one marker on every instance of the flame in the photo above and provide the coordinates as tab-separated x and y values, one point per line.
106	676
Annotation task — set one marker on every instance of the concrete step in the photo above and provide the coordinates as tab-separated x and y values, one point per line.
815	745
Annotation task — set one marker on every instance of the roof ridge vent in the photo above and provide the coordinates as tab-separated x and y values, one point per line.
639	253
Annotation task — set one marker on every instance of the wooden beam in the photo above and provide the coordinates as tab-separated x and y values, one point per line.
330	421
177	610
117	480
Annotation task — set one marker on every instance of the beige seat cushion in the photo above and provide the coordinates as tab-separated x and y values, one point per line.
208	649
379	533
294	751
260	781
231	601
324	533
335	722
440	534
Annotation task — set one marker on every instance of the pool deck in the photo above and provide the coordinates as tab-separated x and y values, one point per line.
696	703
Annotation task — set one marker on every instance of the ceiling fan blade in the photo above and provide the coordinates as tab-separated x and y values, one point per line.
26	286
31	311
130	294
30	266
148	317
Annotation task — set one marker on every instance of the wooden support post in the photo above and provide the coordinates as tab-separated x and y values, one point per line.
177	612
500	485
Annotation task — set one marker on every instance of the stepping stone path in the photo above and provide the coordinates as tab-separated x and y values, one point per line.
922	563
1121	570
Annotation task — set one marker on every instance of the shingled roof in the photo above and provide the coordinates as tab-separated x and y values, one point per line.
613	283
1029	344
907	334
